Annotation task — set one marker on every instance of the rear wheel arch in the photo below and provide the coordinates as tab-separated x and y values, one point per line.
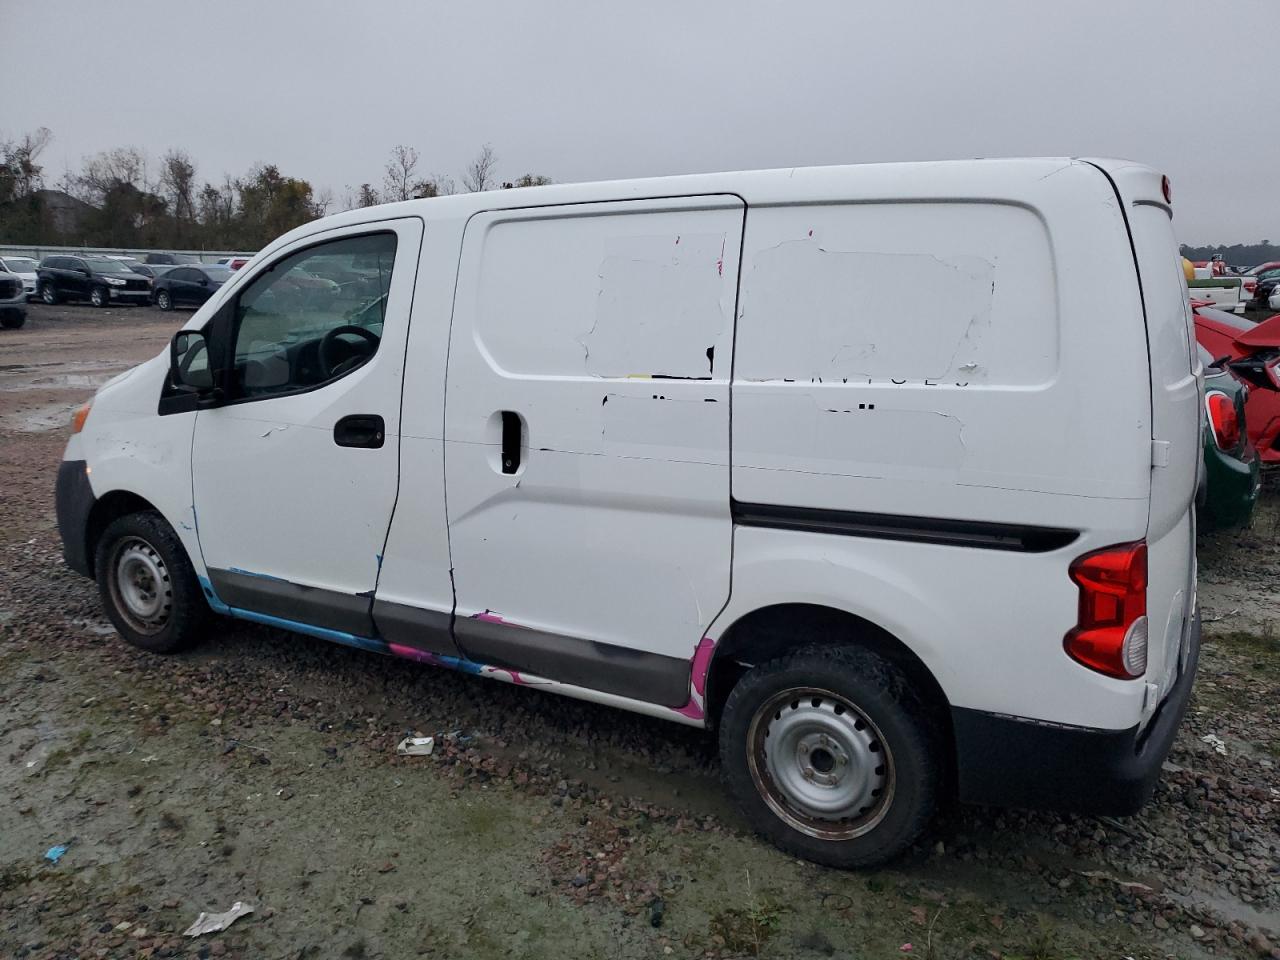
769	632
109	507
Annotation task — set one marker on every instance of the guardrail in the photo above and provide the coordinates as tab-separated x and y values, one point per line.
40	251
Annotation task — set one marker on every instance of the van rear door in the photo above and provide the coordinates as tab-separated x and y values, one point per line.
1177	387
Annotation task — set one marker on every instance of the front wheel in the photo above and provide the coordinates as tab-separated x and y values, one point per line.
830	754
163	300
12	319
98	296
148	586
49	293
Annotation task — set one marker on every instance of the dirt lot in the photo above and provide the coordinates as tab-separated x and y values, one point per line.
261	768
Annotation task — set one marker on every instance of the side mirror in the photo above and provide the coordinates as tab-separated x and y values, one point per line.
189	365
83	271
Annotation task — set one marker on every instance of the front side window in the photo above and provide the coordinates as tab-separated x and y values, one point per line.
313	316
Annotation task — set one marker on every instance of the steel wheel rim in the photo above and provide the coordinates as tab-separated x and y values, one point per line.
47	294
96	298
163	301
820	763
141	588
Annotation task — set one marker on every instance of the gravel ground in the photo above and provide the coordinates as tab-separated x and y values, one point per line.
261	768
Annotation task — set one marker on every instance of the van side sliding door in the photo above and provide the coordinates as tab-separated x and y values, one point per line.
587	439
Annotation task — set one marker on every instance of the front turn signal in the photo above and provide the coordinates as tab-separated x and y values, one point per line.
79	417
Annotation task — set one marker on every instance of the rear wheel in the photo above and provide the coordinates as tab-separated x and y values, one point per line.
12	319
48	293
98	296
831	755
163	301
148	586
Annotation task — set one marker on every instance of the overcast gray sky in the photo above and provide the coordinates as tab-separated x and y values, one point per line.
588	89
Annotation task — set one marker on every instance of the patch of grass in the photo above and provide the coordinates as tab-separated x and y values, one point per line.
1260	652
748	930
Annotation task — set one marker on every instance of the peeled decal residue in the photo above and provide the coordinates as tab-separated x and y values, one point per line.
658	308
664	421
852	315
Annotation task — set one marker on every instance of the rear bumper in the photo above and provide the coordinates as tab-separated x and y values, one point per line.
1014	762
74	501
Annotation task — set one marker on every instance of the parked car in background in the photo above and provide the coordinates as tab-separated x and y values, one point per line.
13	300
1266	280
1225	293
1253	354
170	258
100	280
188	286
1232	471
24	267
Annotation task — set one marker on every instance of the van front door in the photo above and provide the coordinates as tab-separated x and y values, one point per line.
294	476
587	439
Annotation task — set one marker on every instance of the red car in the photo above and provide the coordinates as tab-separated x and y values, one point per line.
1253	352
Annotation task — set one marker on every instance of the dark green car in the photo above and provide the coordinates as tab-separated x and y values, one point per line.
1232	474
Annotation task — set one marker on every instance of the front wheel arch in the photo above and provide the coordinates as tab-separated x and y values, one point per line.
107	508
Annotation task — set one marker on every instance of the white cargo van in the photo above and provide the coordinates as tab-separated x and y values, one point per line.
658	444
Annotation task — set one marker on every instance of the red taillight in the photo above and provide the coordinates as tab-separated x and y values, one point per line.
1167	189
1224	419
1111	635
1250	285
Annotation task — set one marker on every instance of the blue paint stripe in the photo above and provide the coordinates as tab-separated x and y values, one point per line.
260	576
324	633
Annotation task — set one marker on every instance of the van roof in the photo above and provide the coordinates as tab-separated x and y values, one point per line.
926	180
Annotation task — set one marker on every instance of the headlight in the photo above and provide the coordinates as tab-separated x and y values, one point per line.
113	281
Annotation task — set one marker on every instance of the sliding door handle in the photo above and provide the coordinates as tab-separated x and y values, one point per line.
512	440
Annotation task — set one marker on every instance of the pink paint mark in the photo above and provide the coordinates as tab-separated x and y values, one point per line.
701	663
692	710
811	233
488	617
677	240
720	262
413	653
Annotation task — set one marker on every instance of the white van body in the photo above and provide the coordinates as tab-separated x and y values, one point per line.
634	441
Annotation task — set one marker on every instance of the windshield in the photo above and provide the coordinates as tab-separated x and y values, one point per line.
20	264
105	265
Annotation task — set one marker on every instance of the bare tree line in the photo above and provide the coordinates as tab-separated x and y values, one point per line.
120	197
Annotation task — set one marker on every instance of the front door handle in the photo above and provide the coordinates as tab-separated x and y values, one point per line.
360	430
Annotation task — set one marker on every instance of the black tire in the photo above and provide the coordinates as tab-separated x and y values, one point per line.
894	744
99	297
163	300
146	544
12	319
49	294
